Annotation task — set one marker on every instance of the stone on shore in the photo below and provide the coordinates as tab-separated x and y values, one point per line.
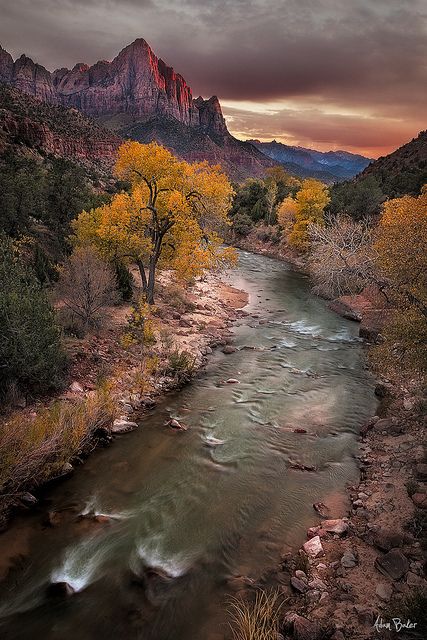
229	349
122	425
313	547
393	564
298	585
384	591
420	500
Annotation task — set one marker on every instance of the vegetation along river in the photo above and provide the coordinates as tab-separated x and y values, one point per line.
218	500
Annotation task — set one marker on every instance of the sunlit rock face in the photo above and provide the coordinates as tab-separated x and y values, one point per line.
138	96
136	83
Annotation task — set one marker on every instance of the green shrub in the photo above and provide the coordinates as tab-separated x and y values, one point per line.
181	365
31	354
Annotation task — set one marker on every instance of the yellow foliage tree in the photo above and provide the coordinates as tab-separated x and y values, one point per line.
401	243
401	246
286	214
296	214
172	216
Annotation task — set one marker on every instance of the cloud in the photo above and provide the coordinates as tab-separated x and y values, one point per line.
361	56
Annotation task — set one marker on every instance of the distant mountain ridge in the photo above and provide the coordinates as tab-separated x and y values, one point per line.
139	96
402	171
329	166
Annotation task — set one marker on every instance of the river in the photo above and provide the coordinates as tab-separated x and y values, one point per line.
215	501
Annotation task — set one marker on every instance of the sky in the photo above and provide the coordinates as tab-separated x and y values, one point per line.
325	74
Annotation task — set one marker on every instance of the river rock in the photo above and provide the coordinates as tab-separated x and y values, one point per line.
229	349
386	540
384	591
338	526
175	424
321	509
27	499
122	425
421	471
318	584
60	590
420	500
313	547
303	629
349	560
383	424
412	580
298	585
76	387
301	575
232	381
66	469
393	564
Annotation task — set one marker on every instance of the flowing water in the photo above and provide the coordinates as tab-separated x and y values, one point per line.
218	500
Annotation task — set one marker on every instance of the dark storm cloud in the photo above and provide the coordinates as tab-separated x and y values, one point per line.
360	55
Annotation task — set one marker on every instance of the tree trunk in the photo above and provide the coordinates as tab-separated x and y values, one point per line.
143	276
151	279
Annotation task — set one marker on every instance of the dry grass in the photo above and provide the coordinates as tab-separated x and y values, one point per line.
257	620
35	448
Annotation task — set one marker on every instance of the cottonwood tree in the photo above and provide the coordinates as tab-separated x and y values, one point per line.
306	208
171	216
87	285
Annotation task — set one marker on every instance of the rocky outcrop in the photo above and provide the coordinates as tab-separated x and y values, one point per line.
28	123
135	83
140	97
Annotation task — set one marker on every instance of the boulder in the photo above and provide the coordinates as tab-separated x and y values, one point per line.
232	381
121	425
420	500
176	425
338	526
349	560
301	575
386	540
313	547
298	585
229	349
393	564
383	424
303	629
